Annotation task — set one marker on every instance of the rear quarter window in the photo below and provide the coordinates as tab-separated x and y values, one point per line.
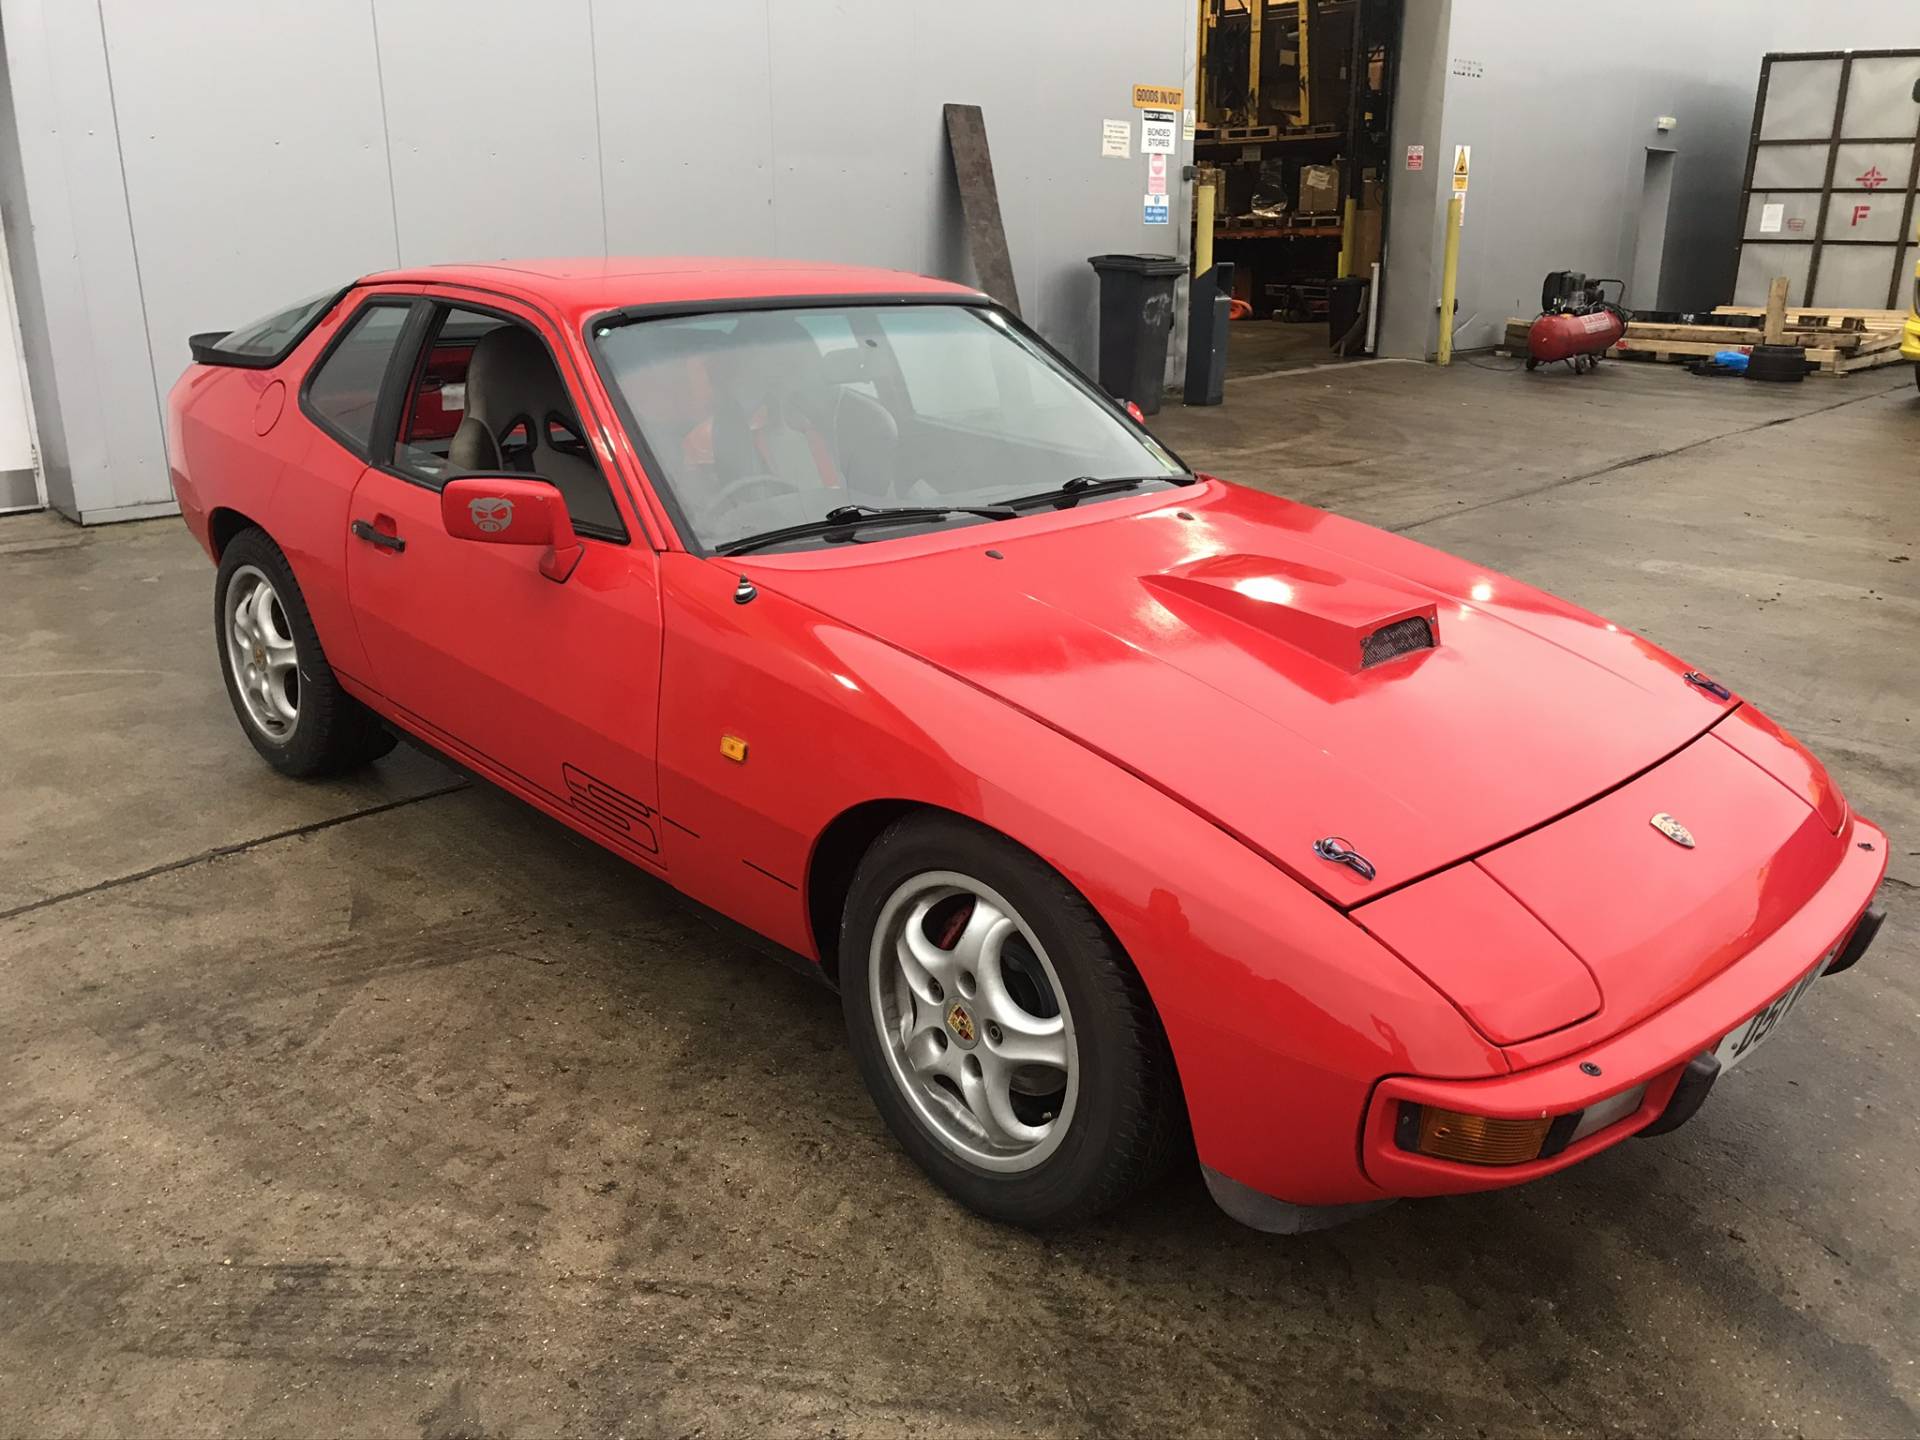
264	343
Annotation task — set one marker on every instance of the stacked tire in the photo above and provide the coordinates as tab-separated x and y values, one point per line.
1780	364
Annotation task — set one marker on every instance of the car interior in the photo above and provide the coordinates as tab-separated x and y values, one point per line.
488	398
763	419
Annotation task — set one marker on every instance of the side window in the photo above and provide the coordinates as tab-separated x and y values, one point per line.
487	398
344	390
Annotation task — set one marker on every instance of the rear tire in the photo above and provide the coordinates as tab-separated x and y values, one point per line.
1005	1038
286	696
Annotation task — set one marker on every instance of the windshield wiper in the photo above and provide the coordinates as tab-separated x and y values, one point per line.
845	519
1082	487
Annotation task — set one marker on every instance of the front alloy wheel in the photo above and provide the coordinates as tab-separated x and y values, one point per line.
1005	1037
970	1012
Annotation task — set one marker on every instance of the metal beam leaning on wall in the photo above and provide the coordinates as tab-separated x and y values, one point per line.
980	203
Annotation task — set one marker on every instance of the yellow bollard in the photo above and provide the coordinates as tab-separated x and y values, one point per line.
1449	278
1203	228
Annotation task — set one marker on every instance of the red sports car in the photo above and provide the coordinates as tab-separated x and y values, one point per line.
1119	802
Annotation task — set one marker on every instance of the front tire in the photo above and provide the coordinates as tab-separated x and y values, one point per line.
287	698
1005	1039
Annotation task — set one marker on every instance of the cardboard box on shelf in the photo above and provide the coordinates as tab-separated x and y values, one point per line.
1319	190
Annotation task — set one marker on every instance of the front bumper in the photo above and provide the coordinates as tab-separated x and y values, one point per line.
1656	1053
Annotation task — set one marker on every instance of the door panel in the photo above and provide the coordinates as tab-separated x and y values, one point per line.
557	684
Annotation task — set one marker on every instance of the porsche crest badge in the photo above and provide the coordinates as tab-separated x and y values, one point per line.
961	1024
1672	829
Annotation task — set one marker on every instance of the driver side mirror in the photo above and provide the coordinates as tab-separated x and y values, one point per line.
513	510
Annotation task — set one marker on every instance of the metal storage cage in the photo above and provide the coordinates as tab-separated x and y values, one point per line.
1828	199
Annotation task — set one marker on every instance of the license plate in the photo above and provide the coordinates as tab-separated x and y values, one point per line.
1745	1038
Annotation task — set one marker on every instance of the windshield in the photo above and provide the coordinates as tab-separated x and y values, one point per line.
769	419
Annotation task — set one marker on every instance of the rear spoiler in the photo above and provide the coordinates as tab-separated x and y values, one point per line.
204	353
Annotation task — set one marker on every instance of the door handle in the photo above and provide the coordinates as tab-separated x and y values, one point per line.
373	535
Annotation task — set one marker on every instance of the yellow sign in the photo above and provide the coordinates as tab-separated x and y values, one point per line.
1157	97
1461	155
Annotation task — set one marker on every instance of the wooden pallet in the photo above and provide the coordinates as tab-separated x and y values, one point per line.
1816	315
1644	333
1832	358
1260	134
1256	227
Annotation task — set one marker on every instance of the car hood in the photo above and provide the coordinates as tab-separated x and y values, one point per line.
1224	645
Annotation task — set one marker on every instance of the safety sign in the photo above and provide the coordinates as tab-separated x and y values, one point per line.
1158	132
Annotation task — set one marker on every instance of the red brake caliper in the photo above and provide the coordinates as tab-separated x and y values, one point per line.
950	932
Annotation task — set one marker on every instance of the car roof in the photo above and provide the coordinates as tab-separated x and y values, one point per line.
592	283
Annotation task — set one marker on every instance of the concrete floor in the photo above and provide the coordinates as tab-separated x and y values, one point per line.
387	1107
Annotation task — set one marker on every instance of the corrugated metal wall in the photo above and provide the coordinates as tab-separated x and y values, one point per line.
192	164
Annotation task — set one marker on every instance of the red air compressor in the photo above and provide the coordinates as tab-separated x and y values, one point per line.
1577	323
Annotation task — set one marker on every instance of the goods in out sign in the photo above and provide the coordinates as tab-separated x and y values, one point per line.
1157	97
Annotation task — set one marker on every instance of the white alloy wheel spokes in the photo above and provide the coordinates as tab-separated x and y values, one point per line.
976	1028
262	654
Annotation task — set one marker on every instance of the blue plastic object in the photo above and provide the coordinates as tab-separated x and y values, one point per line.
1731	359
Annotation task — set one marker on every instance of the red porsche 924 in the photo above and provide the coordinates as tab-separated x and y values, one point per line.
1120	803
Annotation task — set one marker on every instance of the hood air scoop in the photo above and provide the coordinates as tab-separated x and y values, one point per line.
1349	623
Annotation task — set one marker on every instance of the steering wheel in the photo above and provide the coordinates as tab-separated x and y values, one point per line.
735	492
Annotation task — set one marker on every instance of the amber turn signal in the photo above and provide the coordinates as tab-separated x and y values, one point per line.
1478	1139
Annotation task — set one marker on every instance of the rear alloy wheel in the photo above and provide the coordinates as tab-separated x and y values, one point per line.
1006	1040
262	655
285	694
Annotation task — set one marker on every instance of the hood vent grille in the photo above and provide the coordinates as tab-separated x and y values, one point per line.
1391	641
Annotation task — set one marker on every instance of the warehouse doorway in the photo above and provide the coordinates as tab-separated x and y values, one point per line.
1293	109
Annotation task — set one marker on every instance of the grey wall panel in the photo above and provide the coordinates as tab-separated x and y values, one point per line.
687	164
249	181
844	187
491	128
1854	275
1801	97
1880	100
36	339
92	358
1798	167
1759	264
